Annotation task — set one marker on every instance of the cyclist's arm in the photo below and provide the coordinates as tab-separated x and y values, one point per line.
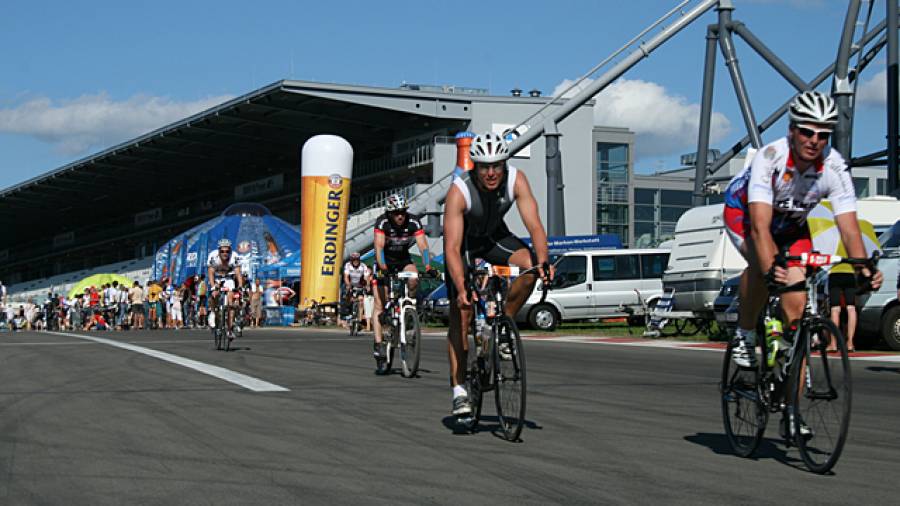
454	207
211	275
346	277
238	276
528	210
422	243
379	250
761	235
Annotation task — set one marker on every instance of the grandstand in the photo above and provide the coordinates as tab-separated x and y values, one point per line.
113	209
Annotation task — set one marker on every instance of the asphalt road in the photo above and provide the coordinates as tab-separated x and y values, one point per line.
83	422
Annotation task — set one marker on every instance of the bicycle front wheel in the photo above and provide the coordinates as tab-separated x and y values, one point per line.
821	395
508	357
412	349
743	412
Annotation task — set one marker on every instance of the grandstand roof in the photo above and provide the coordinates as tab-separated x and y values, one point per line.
229	144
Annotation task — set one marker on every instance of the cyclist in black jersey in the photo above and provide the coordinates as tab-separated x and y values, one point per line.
474	227
395	232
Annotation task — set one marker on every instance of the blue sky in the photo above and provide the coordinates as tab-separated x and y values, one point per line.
81	76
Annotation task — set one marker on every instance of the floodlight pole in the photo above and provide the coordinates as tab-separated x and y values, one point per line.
842	91
727	45
709	72
556	210
893	89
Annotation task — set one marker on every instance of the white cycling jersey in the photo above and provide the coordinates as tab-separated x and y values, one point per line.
771	178
222	269
358	274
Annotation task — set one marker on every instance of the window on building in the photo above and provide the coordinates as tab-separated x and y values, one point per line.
644	213
645	235
675	198
612	162
861	185
644	196
881	183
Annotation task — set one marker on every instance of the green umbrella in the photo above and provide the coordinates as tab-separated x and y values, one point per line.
98	280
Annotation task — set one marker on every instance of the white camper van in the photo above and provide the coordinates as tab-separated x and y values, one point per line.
702	258
881	211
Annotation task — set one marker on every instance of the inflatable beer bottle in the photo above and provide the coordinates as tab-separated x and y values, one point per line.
326	166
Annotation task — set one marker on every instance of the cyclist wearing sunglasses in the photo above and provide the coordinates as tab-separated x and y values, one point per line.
395	232
766	206
224	272
474	227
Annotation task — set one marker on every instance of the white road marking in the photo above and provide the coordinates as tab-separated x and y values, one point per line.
248	382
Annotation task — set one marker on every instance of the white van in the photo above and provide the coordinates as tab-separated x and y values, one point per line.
594	284
702	258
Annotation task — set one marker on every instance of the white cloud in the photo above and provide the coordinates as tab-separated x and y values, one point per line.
873	92
91	121
664	124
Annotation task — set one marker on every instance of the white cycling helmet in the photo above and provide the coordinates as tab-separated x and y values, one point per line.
224	243
396	202
489	148
814	107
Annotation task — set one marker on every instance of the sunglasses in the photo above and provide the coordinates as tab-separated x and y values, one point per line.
809	133
496	167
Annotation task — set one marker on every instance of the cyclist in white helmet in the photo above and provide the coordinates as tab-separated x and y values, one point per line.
766	206
474	228
224	272
395	232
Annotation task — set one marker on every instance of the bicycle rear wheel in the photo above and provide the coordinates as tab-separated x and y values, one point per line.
821	393
411	351
743	412
509	377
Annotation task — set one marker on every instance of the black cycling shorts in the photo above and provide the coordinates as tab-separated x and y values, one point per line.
842	283
495	250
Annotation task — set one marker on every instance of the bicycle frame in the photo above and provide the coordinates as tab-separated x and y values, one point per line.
401	300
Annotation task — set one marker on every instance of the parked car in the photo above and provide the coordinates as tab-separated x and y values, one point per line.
595	284
725	304
438	305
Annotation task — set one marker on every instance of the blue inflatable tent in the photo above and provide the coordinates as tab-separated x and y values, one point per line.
257	237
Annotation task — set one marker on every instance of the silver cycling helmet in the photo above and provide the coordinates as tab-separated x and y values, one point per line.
489	148
395	202
814	107
224	243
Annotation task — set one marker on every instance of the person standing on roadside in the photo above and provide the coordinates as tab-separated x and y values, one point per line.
136	294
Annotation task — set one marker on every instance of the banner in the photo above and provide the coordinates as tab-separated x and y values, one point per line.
326	166
259	187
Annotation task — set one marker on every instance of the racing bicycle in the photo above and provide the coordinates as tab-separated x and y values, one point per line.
498	363
795	376
353	323
401	328
218	320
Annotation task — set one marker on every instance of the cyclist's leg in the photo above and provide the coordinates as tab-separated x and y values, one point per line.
379	308
413	284
792	303
522	287
510	250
